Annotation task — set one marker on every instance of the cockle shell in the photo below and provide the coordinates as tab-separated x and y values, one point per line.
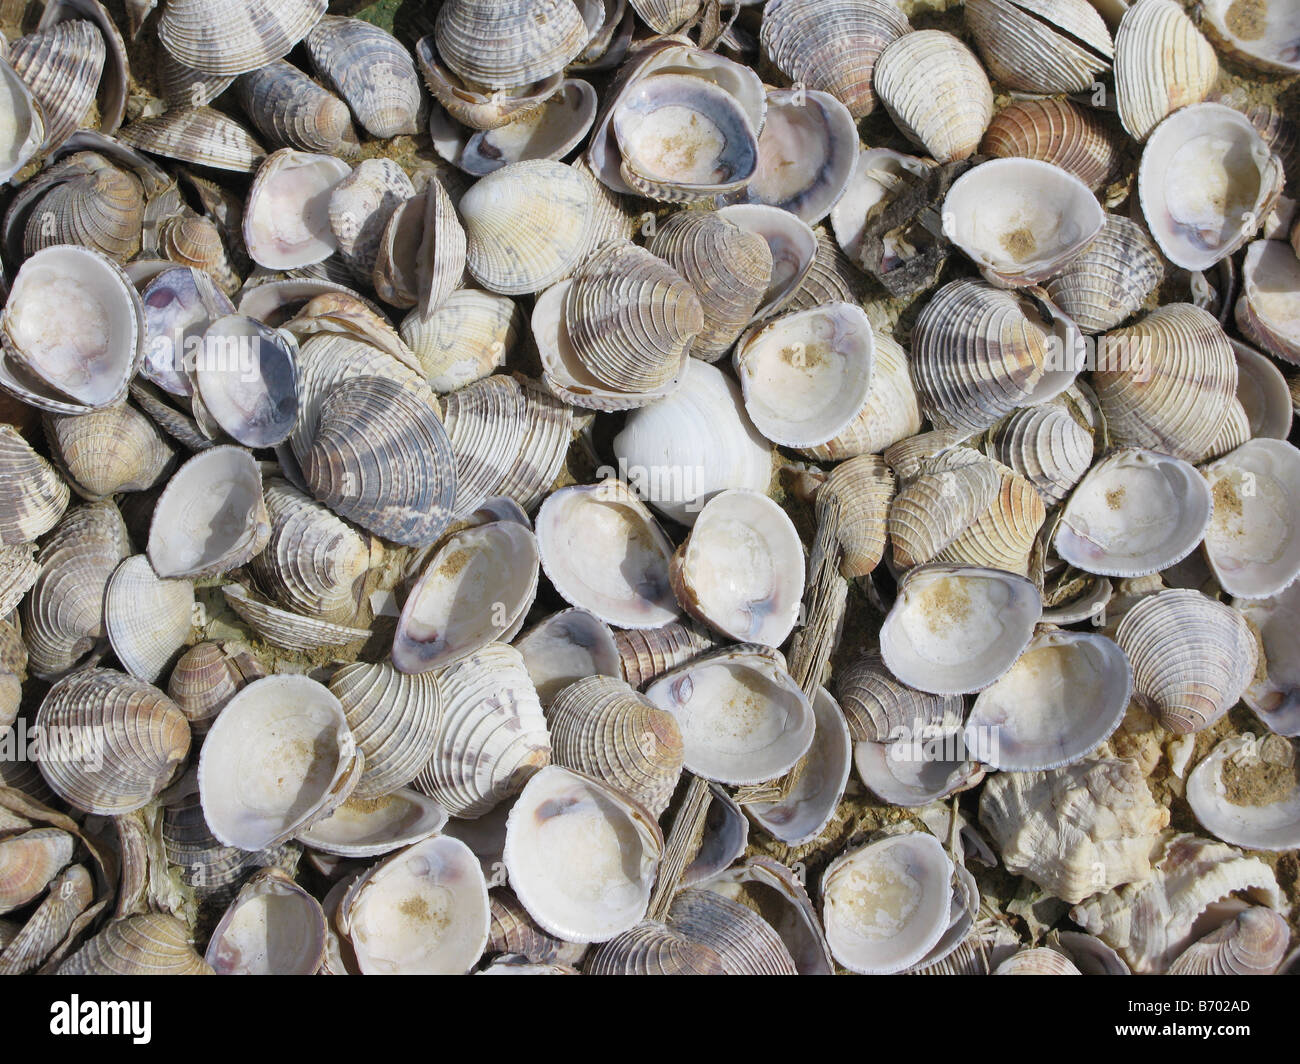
505	45
62	65
468	336
1162	63
1269	304
1270	821
860	489
230	37
147	619
29	861
1042	46
647	653
394	719
1047	446
1260	35
273	927
743	941
116	449
292	111
23	140
196	135
32	494
371	70
1110	279
1055	131
287	222
367	827
1275	695
147	944
206	677
1252	943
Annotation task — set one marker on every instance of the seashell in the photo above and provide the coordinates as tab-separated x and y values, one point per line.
1252	943
566	647
548	426
526	225
1004	536
80	199
651	948
621	572
1192	657
62	65
29	862
13	671
581	855
1110	279
1042	46
861	489
945	497
725	838
833	278
791	243
879	709
1135	512
371	71
273	927
1041	961
505	45
886	905
1267	821
806	375
474	105
709	694
1048	447
474	590
1162	63
285	741
421	257
63	613
360	207
147	620
645	654
380	457
211	517
918	769
1274	694
232	37
832	49
486	425
439	881
665	16
908	457
1253	544
602	728
18	572
877	177
287	222
1270	298
743	941
954	630
1152	922
116	449
1166	382
67	898
344	313
1186	156
469	335
367	827
313	563
286	630
1020	220
147	944
740	570
25	138
83	357
803	814
109	743
205	678
729	268
1263	393
610	39
32	494
1055	131
1036	711
1256	35
190	240
183	86
245	382
197	135
549	131
936	92
487	694
292	111
889	414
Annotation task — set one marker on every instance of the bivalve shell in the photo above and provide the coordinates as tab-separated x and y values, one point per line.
1162	63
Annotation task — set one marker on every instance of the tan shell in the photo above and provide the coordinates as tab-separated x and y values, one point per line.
83	199
288	630
62	66
231	37
1048	447
371	70
467	337
1251	943
360	207
890	413
862	488
1110	279
147	619
880	709
149	944
651	948
1042	46
68	897
206	677
1162	63
1058	132
108	451
29	861
938	504
1269	303
743	941
646	654
32	494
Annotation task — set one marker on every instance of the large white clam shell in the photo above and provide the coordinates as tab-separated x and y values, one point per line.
286	222
1253	823
273	927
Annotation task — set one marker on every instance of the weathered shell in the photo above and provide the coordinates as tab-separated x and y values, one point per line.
29	861
273	927
371	70
469	335
1055	131
62	65
1251	943
880	709
367	827
945	497
860	489
651	948
292	111
83	199
791	242
1041	961
488	694
566	647
645	654
1110	279
1269	303
1162	63
116	449
936	92
231	37
28	128
1267	820
287	630
32	494
1258	35
148	944
475	105
1042	46
147	619
832	48
504	45
1192	657
743	941
110	742
360	207
196	135
206	677
68	897
1047	446
1263	393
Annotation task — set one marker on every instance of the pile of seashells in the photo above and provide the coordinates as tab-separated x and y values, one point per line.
529	491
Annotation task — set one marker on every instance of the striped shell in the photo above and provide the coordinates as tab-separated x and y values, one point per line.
1162	63
231	37
1110	279
1043	46
32	494
502	44
371	71
196	135
292	111
149	944
1055	131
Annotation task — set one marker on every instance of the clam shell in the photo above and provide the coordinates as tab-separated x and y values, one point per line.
861	488
505	45
791	243
62	66
1263	393
566	647
394	719
1252	943
148	944
744	941
1042	46
273	927
292	111
371	71
477	106
645	654
1162	63
1110	279
651	948
287	222
469	335
80	199
1048	447
116	449
889	414
945	498
286	630
367	827
1269	303
1040	961
360	207
68	897
205	678
1259	35
29	862
196	135
486	425
1055	131
28	132
880	709
1258	825
231	37
32	494
148	620
1274	695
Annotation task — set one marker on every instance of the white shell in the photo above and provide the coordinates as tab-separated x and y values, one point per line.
565	647
365	827
147	619
1273	825
792	243
273	927
1275	695
286	221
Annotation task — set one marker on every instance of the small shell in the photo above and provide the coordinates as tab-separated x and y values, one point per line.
1042	961
62	65
149	944
503	45
477	106
1258	35
936	92
879	709
230	37
67	898
245	381
1192	657
360	207
566	647
81	199
367	827
1055	131
29	862
205	678
1046	445
24	139
371	70
148	620
292	111
945	497
650	948
1110	279
1042	46
108	451
1251	943
32	494
289	631
1275	694
743	941
889	414
196	135
791	243
1162	63
1263	393
273	927
645	654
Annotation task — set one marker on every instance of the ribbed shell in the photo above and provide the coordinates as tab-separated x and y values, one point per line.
485	424
1190	380
548	429
890	413
1003	536
183	86
148	619
28	862
664	16
292	111
32	494
206	677
502	44
467	337
744	942
876	705
67	897
492	736
513	931
232	37
192	240
1109	280
1048	447
196	135
108	451
863	487
527	225
936	92
647	654
1192	657
653	949
976	356
832	46
314	563
601	727
287	630
62	66
939	504
1046	46
1162	63
18	572
832	278
1055	131
371	71
441	259
381	458
81	199
394	718
140	734
360	206
631	318
1251	943
149	944
729	268
212	869
63	614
